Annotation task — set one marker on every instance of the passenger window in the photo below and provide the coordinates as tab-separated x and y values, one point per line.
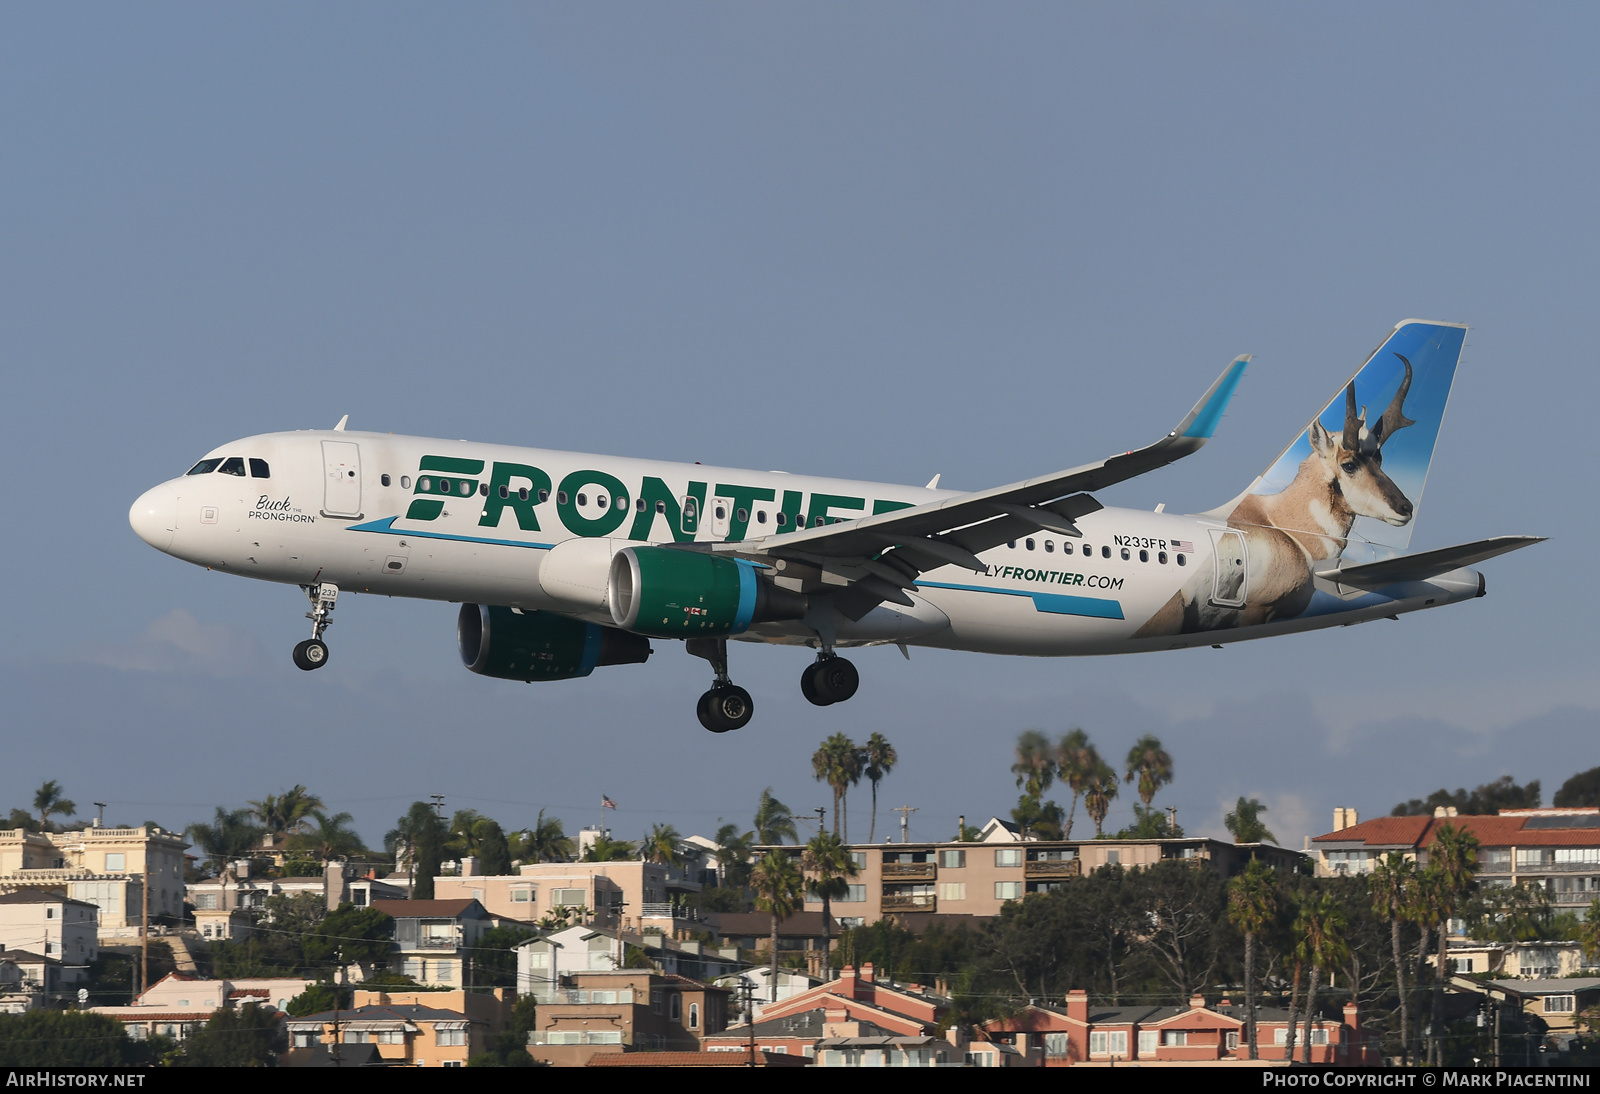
204	467
1066	546
583	499
561	497
600	500
233	465
505	491
761	516
743	515
1049	545
483	490
1144	556
381	478
1180	560
522	494
722	513
544	496
1012	545
405	482
258	470
1161	557
466	487
1125	555
1028	543
1105	552
782	519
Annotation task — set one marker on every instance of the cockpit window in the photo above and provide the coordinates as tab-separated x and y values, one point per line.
204	467
258	470
233	465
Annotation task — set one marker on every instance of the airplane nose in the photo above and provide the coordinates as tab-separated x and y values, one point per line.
154	516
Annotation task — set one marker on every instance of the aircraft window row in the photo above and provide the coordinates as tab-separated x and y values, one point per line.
1105	552
231	465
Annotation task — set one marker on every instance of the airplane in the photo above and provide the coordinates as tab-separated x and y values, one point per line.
565	562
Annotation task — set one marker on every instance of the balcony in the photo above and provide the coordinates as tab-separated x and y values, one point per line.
910	871
1069	868
431	944
651	909
908	902
575	1037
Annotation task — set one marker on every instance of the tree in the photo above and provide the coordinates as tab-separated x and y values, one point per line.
733	855
661	846
70	1038
48	800
880	757
1035	768
1389	884
605	849
247	1037
319	998
1099	789
779	890
1321	928
546	841
837	762
331	838
285	815
1589	932
830	864
1149	763
1150	823
1036	818
229	836
1252	905
495	852
1454	856
1484	800
1245	822
493	958
418	842
1580	790
363	936
1075	759
774	822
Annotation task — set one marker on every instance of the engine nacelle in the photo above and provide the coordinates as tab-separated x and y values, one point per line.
671	593
530	645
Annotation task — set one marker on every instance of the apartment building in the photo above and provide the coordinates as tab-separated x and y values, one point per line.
1556	849
105	867
58	928
245	887
602	1011
432	938
410	1029
546	960
978	878
625	894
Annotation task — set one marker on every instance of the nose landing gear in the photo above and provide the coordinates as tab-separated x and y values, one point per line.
313	652
829	679
726	706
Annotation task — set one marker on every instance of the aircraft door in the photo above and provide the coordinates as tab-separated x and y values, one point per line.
341	483
721	517
1229	572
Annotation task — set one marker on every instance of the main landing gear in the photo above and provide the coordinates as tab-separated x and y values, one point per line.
726	706
313	652
829	679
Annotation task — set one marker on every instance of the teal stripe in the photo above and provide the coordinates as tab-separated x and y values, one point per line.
384	526
747	596
1205	423
1051	603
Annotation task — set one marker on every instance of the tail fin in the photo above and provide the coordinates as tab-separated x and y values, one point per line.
1374	440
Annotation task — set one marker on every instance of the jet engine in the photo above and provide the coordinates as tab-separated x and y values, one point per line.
670	593
531	645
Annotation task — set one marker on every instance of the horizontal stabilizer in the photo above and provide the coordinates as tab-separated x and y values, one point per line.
1420	567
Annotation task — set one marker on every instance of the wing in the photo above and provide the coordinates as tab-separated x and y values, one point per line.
1426	564
877	558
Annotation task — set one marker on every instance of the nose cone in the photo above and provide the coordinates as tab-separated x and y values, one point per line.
155	516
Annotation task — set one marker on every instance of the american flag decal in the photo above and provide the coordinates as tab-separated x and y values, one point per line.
1183	545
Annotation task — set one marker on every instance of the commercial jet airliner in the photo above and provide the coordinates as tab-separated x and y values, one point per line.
564	562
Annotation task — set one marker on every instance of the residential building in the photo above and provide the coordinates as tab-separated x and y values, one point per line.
1557	850
432	938
800	936
624	1010
548	957
758	981
1541	960
625	894
913	881
1557	1001
26	980
104	866
1082	1033
860	996
416	1029
180	1003
245	887
44	922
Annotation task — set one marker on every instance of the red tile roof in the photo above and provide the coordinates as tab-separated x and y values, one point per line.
423	909
1495	831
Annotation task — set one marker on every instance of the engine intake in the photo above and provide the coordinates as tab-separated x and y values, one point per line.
669	593
531	645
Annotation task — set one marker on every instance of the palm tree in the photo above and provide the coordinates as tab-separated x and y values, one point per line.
774	822
1454	854
229	836
1075	759
1388	884
828	864
733	856
779	891
47	800
418	842
1589	932
1423	909
285	815
1322	928
838	763
1252	905
1099	790
1150	764
880	757
1245	822
1035	768
661	846
331	837
546	841
604	849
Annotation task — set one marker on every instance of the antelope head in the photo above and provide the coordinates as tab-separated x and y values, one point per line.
1353	458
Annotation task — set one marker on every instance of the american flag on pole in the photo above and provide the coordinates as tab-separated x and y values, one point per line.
607	803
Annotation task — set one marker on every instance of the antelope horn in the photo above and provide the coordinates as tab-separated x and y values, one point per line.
1394	418
1353	425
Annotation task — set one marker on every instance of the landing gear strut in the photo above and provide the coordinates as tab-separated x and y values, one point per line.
829	679
726	706
313	652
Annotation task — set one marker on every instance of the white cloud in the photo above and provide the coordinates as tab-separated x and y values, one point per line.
179	643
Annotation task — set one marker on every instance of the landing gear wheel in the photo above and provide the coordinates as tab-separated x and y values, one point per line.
311	654
725	707
830	680
808	686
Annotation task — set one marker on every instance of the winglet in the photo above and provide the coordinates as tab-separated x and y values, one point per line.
340	427
1201	422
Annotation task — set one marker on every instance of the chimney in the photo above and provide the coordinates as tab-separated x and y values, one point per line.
1078	1005
1197	1002
1344	817
847	979
1352	1017
1440	811
866	972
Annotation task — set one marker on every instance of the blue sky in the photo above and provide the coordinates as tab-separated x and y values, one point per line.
870	241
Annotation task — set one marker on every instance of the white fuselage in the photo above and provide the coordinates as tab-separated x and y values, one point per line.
343	507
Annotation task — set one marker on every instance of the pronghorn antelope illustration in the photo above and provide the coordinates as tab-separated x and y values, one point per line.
1284	535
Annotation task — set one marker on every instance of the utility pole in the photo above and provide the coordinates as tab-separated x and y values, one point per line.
100	817
438	805
905	812
1172	812
750	1016
822	820
144	925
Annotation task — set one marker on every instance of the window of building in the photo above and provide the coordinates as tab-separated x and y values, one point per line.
451	1038
952	860
569	898
694	1015
854	894
675	1006
115	864
1231	1040
655	1000
1108	1042
304	1038
1560	1004
1113	858
1175	1038
858	859
1148	1040
522	896
1280	1036
1057	1044
1008	890
1008	856
952	890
